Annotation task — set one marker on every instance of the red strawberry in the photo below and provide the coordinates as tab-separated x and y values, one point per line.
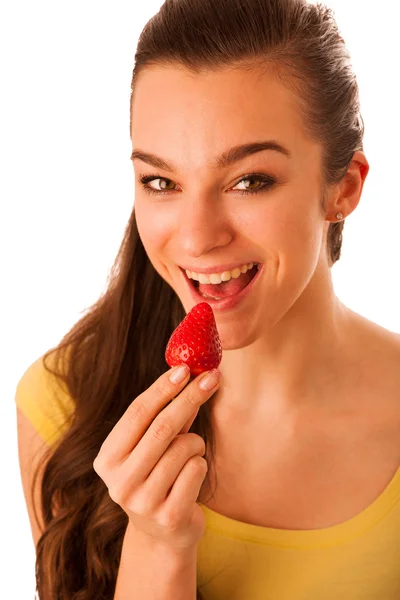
196	341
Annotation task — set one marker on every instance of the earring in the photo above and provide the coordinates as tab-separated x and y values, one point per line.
339	216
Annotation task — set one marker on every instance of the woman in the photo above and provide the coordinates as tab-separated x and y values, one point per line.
247	147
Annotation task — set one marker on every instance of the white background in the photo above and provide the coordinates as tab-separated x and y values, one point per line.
67	191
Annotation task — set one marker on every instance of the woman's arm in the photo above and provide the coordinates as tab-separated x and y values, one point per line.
150	572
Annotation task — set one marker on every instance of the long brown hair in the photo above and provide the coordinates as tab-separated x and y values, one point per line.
116	350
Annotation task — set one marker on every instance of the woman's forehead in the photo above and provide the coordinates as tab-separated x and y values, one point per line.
209	114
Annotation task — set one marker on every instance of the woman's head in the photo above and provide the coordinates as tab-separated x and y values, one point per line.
209	75
275	71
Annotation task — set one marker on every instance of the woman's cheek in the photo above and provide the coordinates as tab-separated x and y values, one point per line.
153	227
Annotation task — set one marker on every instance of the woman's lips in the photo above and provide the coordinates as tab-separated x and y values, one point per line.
226	289
230	301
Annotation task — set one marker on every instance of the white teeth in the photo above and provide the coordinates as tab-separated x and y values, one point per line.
216	278
202	278
225	276
213	279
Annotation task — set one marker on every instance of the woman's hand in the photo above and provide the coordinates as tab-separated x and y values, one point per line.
153	468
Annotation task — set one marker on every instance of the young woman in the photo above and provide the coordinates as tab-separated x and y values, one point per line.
247	146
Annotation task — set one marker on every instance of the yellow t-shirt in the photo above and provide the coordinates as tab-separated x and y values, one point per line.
44	401
355	560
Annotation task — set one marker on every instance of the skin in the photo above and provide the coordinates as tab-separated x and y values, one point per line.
293	354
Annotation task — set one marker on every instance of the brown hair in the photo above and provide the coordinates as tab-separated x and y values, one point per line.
116	350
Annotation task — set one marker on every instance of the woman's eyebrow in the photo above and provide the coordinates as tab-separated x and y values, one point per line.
226	159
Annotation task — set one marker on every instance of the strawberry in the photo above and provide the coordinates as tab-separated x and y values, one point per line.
196	341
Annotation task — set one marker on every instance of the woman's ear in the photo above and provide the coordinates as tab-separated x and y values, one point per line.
348	192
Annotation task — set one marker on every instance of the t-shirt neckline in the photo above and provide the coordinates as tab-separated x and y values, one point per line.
307	538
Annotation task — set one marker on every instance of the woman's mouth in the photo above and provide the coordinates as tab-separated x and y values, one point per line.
226	294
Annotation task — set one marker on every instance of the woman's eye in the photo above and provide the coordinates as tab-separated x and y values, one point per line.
264	182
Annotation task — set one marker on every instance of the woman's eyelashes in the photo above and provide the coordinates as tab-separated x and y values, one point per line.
266	183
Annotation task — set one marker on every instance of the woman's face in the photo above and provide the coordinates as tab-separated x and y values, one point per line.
203	219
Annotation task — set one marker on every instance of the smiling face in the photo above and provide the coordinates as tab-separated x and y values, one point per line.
203	219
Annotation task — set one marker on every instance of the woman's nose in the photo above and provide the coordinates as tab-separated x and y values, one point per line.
203	226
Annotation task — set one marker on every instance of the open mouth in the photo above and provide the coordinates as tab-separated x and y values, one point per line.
225	289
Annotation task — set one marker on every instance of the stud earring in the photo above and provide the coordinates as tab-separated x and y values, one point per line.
339	216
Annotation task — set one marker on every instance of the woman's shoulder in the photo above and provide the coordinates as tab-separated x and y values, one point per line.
44	399
370	337
376	363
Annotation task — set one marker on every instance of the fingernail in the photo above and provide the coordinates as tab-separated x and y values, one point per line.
179	374
210	380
